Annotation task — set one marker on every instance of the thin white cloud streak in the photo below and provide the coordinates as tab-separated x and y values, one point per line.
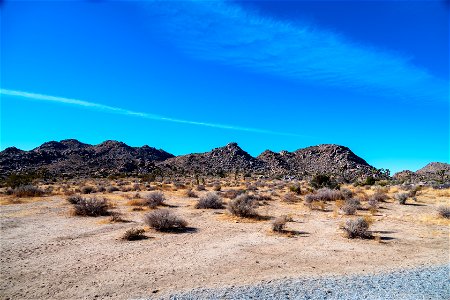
222	32
126	112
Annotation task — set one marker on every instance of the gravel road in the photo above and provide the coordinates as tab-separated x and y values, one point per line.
419	283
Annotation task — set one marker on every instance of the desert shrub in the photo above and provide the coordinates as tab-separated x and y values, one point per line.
154	199
164	220
350	206
74	199
290	198
383	182
378	197
178	185
91	207
231	194
125	188
373	203
111	189
346	193
325	194
191	194
210	200
243	206
116	217
321	181
262	197
27	191
87	189
413	192
369	181
134	234
101	189
296	189
401	197
279	223
201	188
358	228
136	187
444	211
442	186
251	187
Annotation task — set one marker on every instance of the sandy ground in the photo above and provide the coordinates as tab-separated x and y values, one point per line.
47	253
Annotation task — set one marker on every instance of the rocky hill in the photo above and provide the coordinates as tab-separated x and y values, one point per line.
227	159
73	158
322	159
435	171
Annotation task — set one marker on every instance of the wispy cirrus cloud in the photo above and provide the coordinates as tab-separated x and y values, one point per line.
126	112
226	33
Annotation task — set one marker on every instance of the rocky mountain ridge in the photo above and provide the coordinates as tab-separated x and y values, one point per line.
72	158
434	171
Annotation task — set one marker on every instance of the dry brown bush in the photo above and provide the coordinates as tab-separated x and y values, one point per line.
164	220
210	200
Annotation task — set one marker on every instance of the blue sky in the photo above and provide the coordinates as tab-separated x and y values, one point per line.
188	76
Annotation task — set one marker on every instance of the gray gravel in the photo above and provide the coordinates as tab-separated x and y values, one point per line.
420	283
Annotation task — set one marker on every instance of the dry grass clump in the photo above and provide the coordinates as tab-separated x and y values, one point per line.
91	207
27	191
358	228
74	199
401	197
444	211
191	194
251	187
164	220
347	193
134	234
111	189
326	194
116	217
290	198
373	204
350	206
296	189
243	206
279	224
231	194
154	199
201	188
378	197
210	200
